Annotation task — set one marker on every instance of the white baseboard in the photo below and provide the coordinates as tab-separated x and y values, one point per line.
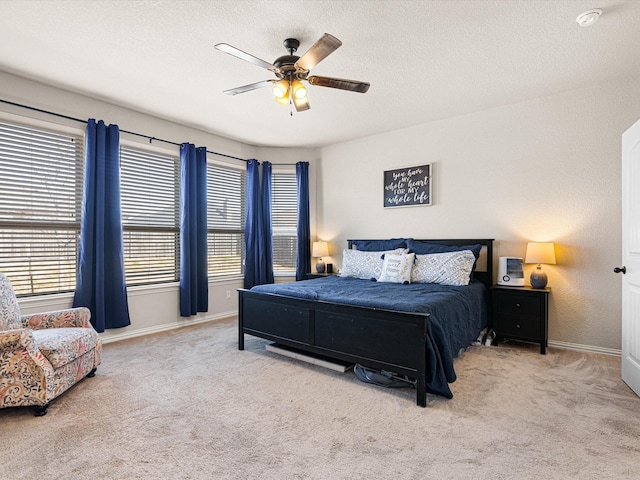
585	348
116	337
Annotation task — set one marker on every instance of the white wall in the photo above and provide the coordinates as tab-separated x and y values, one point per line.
152	308
544	170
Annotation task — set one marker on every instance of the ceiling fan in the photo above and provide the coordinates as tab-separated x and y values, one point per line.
290	70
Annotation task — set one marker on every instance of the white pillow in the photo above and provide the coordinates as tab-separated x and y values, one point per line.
450	268
365	265
397	268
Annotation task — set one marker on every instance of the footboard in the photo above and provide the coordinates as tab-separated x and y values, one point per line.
383	339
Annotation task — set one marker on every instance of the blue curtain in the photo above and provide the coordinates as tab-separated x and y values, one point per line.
303	261
266	230
100	283
252	226
258	269
194	282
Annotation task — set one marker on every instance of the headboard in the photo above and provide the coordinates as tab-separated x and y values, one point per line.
484	266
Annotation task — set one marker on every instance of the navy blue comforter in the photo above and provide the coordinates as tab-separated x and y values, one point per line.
457	314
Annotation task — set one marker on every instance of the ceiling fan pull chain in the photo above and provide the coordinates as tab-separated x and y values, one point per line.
290	100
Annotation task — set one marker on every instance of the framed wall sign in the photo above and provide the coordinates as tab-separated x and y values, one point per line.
409	186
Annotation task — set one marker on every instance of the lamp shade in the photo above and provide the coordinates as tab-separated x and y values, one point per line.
320	249
540	252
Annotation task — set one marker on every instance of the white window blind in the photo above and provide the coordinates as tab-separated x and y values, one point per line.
284	212
40	204
226	209
149	185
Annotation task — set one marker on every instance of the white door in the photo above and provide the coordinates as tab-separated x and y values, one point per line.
630	268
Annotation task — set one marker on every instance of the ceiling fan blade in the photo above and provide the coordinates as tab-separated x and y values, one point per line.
341	83
301	104
318	52
248	88
226	48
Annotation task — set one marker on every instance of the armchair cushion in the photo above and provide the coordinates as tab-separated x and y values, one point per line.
63	345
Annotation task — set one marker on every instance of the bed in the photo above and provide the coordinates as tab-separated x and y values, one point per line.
347	319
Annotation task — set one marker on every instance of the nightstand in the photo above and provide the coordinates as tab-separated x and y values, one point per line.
318	275
521	313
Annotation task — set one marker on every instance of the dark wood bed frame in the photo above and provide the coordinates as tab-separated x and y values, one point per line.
381	339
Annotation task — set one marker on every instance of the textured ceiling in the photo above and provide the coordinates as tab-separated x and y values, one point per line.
425	60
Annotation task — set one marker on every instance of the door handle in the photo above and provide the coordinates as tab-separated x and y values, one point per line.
622	270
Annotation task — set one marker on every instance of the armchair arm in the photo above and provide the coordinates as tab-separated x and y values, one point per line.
71	317
21	340
17	339
27	376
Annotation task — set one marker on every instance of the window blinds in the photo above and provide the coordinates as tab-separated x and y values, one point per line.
40	202
284	221
226	210
149	185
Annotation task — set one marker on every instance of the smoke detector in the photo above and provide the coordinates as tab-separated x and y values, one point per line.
588	18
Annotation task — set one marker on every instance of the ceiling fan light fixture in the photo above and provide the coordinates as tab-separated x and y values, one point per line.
299	90
281	90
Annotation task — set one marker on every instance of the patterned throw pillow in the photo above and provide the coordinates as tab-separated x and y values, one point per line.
397	268
452	268
364	265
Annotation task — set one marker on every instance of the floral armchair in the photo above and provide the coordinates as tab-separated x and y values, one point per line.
43	355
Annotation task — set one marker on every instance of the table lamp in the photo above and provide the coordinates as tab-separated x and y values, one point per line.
320	249
540	252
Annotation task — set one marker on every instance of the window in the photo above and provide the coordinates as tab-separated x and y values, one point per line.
284	219
226	187
149	185
40	204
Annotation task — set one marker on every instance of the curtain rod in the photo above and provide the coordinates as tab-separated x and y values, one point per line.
151	139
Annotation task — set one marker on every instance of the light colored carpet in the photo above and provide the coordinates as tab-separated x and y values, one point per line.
187	404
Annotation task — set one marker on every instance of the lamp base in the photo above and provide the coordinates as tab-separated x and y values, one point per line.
320	266
538	278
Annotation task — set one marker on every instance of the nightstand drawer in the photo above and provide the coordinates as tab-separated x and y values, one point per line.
518	326
515	304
